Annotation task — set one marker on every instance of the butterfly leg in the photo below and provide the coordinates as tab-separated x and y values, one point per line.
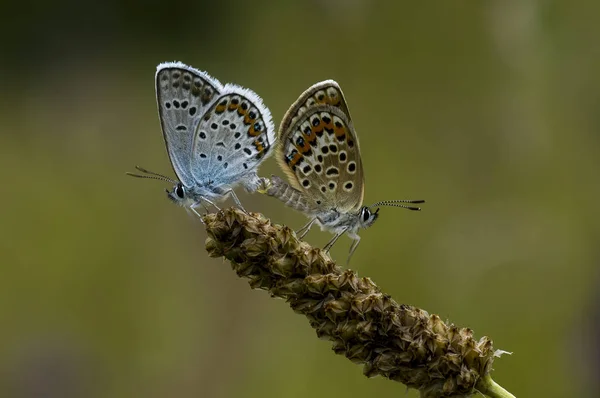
200	203
355	242
304	230
195	212
236	200
329	245
209	202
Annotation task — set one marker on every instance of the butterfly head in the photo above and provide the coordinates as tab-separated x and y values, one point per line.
367	217
179	195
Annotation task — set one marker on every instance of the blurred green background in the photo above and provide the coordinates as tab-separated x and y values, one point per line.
488	110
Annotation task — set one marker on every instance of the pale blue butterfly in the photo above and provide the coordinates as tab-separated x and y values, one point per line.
216	135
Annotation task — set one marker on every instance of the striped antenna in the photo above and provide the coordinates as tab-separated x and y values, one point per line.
397	203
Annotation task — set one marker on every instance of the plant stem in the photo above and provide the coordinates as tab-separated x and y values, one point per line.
492	389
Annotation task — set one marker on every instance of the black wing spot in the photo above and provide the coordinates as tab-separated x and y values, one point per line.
331	186
258	126
316	122
219	158
321	97
176	75
351	167
203	155
343	156
225	165
307	169
290	156
238	146
235	101
197	83
338	124
220	144
332	171
307	131
168	105
320	158
181	127
187	78
319	202
225	122
252	115
333	148
248	151
232	126
176	104
202	135
318	168
223	103
349	185
325	150
214	126
306	183
326	119
184	104
192	110
351	143
300	141
245	166
244	106
237	135
323	188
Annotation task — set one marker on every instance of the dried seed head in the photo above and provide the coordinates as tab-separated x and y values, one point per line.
397	341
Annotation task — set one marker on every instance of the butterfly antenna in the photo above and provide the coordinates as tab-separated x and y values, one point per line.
397	203
152	175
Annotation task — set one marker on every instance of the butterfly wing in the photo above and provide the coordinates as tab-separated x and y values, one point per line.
320	154
234	136
327	92
183	95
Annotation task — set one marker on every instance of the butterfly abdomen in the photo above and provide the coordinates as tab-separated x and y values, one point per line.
287	194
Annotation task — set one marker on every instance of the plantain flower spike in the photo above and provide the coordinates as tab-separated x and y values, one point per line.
397	341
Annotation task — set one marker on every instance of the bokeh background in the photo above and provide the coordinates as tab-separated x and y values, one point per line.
488	110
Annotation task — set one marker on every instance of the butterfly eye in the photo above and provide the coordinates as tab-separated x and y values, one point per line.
179	191
366	214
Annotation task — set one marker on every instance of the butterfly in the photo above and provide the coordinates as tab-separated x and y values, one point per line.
319	152
216	135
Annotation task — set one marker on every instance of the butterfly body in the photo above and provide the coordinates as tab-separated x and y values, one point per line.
329	219
319	152
216	135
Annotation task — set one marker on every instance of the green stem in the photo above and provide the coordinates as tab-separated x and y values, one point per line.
492	389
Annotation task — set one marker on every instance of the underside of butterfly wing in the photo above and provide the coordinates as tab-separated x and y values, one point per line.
183	95
233	137
327	92
321	156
